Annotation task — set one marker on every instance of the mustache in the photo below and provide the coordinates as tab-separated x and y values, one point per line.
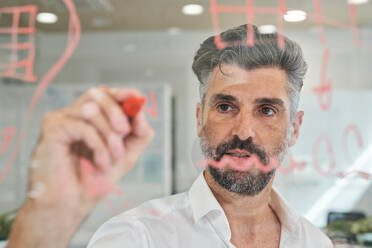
237	143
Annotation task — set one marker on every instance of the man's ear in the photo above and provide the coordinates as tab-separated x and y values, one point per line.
295	127
198	118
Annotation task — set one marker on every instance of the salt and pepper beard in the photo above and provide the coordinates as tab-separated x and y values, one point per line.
242	182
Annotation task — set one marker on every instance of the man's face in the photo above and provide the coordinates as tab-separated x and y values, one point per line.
246	114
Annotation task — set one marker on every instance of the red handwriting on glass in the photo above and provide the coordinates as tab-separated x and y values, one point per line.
293	165
324	90
330	152
241	164
351	128
319	19
361	174
348	129
246	164
6	138
354	27
253	160
73	41
152	110
250	11
282	11
10	69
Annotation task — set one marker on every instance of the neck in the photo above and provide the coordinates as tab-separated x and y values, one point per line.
242	209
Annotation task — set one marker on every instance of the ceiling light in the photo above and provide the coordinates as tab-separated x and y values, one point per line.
45	17
267	29
295	16
192	9
357	1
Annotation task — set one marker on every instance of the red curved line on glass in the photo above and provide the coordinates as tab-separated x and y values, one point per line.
74	28
250	11
245	165
348	129
8	135
354	26
319	20
362	174
325	88
330	153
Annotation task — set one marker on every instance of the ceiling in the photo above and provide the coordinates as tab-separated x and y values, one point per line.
124	15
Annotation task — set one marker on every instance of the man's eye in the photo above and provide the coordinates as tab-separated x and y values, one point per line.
224	108
268	111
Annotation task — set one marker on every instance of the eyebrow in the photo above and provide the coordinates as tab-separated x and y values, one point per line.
272	101
222	97
264	100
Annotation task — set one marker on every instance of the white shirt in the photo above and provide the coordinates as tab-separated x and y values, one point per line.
195	219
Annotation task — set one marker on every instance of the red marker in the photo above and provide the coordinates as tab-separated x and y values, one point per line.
133	104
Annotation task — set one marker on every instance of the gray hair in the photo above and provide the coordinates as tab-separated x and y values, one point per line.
264	53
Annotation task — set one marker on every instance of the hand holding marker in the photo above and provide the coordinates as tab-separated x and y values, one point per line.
131	106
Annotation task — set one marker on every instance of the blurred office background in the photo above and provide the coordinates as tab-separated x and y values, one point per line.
150	45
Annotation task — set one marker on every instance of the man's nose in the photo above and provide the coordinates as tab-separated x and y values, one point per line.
245	126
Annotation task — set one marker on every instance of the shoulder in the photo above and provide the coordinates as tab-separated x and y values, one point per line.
314	235
133	227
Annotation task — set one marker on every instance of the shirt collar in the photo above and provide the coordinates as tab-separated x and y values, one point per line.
203	202
202	199
288	218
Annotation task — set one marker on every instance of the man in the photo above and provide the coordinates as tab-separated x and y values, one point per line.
247	118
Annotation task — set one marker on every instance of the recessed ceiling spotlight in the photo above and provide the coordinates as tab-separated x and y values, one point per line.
295	16
192	9
267	29
357	1
46	17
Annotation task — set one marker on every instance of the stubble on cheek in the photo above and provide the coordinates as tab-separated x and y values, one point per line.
276	136
207	148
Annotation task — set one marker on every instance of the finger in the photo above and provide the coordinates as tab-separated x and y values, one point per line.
91	112
121	93
140	125
141	134
69	130
112	110
109	106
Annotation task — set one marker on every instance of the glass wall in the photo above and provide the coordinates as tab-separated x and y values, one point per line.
53	52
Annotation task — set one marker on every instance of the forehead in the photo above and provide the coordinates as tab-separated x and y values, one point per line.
244	84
